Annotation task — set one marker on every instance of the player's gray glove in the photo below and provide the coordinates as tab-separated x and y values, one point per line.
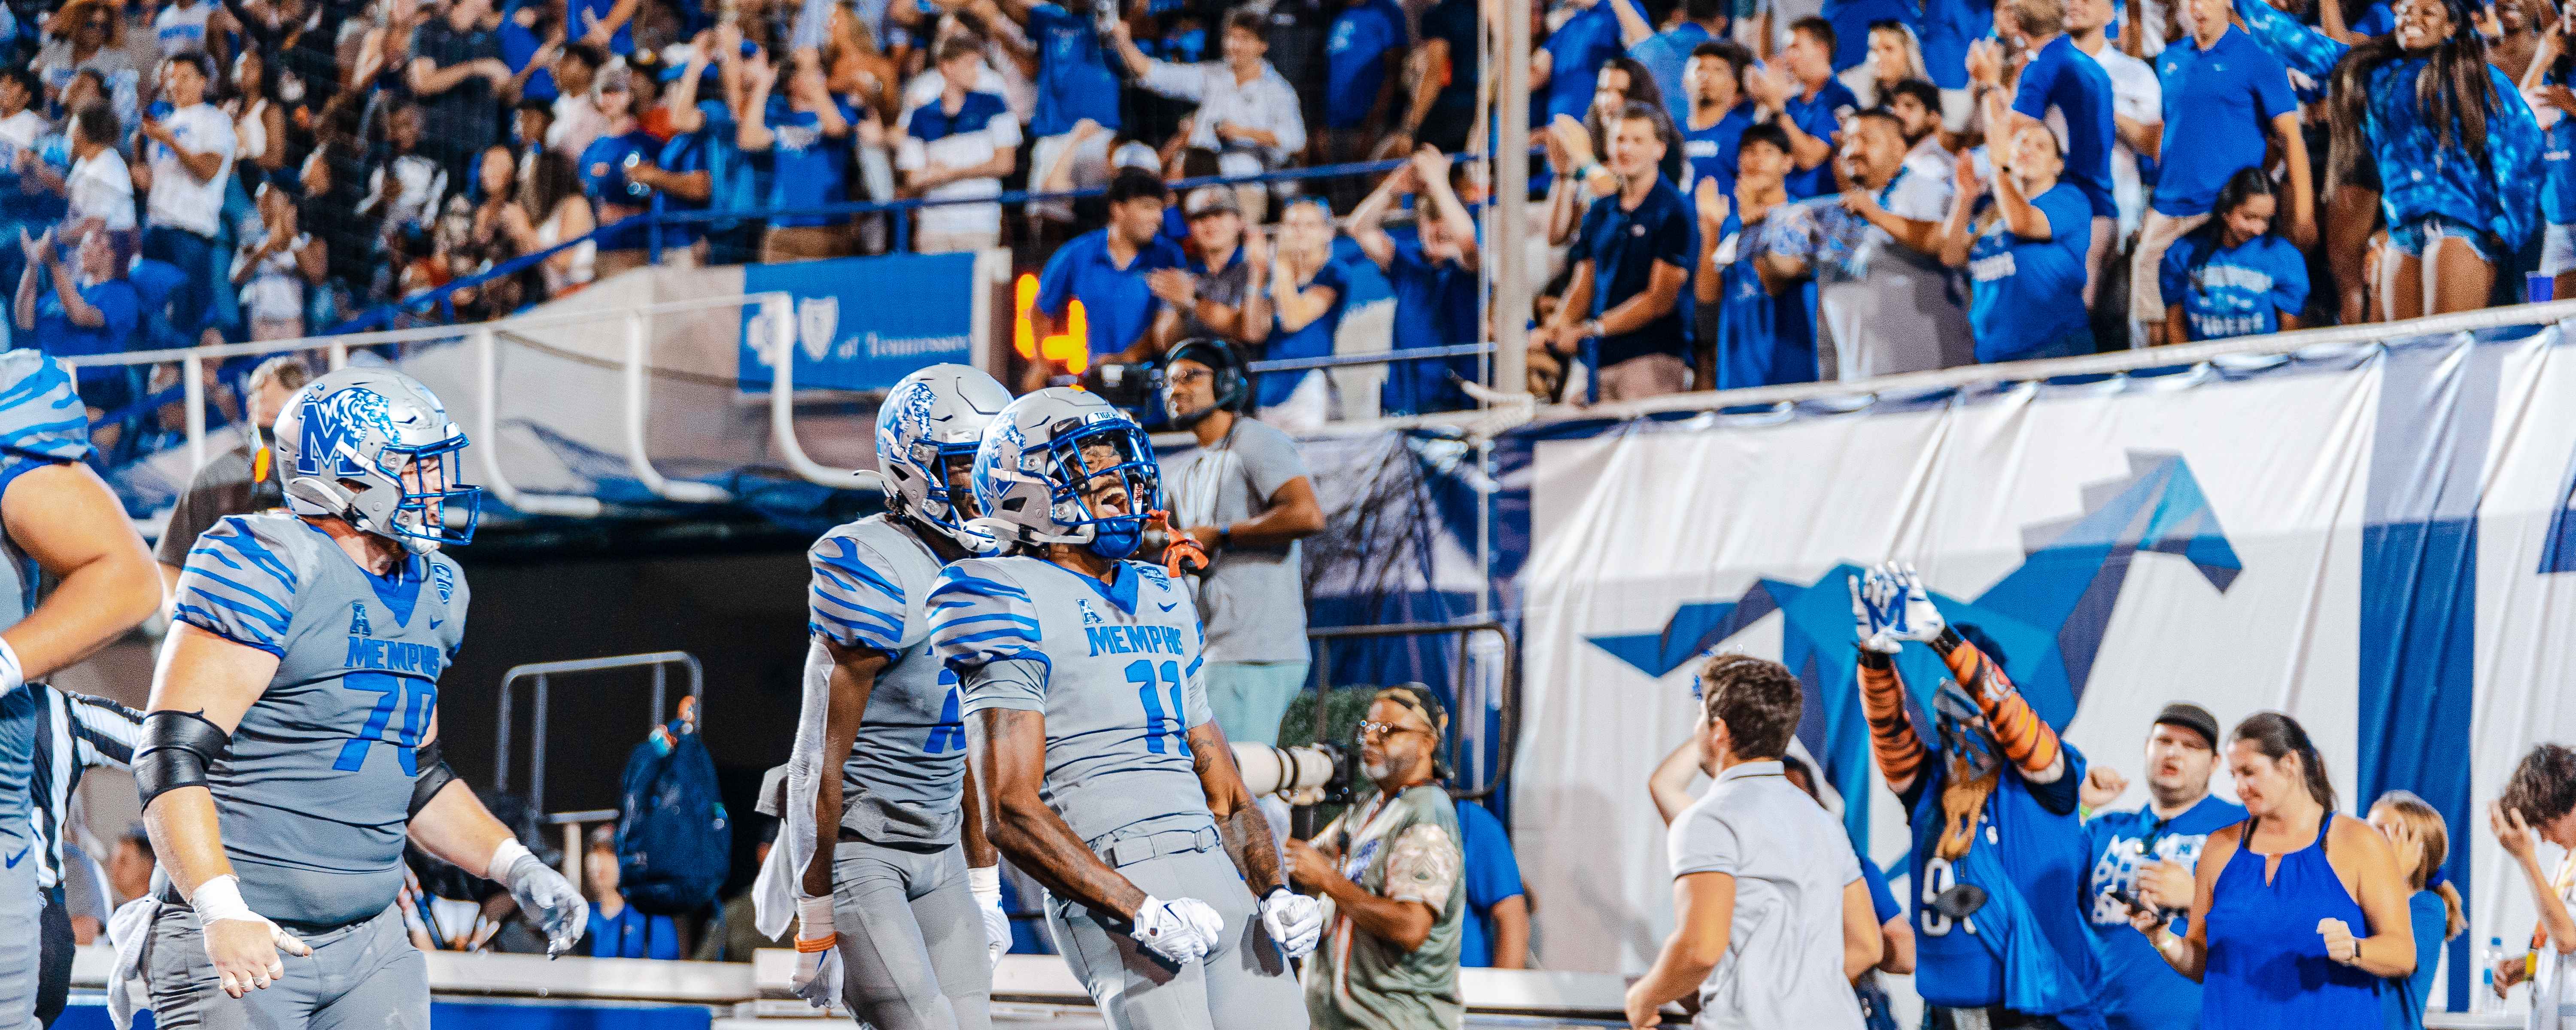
1182	930
1294	920
818	953
543	895
985	882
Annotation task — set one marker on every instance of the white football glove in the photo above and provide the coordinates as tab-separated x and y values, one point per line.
1182	930
1294	920
818	953
543	895
986	883
1870	613
1918	619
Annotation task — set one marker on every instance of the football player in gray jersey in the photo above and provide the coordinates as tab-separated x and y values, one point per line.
56	516
291	741
1088	733
900	902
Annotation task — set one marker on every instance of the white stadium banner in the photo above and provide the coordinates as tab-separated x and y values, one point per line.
2370	540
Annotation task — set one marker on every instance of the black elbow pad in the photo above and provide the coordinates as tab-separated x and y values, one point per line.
434	777
177	747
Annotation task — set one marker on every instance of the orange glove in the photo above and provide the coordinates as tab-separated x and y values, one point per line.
1183	556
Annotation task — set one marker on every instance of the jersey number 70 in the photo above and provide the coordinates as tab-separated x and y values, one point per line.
418	699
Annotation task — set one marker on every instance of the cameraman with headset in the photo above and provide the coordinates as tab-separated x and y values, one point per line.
1244	496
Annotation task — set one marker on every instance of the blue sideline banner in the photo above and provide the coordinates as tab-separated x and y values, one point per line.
862	323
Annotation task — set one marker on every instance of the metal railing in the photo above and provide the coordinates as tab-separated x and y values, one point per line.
652	223
1508	703
485	338
658	661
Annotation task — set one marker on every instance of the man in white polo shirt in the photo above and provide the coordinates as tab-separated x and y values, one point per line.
1773	918
189	154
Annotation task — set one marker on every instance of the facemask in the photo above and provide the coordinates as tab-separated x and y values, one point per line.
1117	538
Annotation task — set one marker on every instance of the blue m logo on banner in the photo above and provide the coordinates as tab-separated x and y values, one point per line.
2044	621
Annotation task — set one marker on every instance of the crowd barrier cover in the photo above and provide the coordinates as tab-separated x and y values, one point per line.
2376	541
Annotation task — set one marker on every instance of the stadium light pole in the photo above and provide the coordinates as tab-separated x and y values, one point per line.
1510	211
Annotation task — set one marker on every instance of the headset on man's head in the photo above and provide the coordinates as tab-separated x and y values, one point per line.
1233	386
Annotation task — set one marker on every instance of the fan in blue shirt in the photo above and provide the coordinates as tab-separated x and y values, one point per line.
2223	92
1766	331
1807	102
87	307
2552	68
2451	139
2140	991
1717	115
806	137
2422	842
1368	40
1074	80
1667	54
1496	930
1949	26
2231	276
1307	295
1572	58
1432	271
1105	270
2024	253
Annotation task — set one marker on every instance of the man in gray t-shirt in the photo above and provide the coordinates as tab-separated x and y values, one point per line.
1244	496
1882	306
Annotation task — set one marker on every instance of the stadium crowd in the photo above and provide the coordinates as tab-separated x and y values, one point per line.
1734	194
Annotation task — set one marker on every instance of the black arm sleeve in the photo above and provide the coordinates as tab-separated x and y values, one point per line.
177	747
434	777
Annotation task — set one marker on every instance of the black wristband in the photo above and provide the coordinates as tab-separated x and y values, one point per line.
1949	641
1878	660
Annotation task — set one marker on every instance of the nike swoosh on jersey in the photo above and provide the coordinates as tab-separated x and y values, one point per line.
20	856
1167	607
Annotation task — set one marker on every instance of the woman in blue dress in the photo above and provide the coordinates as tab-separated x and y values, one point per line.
2298	915
2446	136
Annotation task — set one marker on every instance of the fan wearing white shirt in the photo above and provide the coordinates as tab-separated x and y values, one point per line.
20	128
1772	917
189	156
959	145
1248	114
99	188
